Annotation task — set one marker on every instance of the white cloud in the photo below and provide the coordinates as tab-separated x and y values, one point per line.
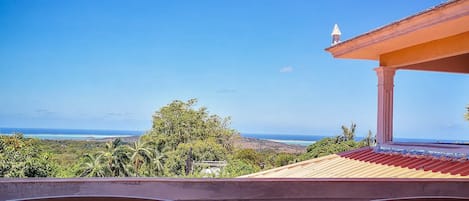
226	91
119	114
286	69
41	111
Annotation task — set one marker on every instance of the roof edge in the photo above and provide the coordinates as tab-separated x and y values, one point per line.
392	25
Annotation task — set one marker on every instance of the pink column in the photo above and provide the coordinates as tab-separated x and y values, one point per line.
385	103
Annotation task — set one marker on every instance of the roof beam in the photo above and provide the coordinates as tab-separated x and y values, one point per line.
430	51
454	64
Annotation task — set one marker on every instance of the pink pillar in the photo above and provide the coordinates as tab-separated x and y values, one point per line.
385	103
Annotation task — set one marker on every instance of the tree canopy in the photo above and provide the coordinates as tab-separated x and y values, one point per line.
183	138
22	157
344	142
180	135
179	128
180	122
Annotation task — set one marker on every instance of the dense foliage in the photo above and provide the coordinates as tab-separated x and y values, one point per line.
184	142
69	154
340	143
21	157
183	133
180	136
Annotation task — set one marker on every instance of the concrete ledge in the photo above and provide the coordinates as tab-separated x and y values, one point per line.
233	189
456	151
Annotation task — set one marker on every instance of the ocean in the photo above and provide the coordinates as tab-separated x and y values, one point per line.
69	134
89	134
295	139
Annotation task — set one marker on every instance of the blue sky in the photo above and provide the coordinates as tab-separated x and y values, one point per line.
111	64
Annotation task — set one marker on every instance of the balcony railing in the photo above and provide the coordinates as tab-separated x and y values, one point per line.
131	189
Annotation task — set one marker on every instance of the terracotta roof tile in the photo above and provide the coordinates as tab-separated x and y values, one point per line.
368	163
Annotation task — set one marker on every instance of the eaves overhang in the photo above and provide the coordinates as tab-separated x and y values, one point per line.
442	21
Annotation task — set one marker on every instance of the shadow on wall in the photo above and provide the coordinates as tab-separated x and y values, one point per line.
90	198
113	198
429	198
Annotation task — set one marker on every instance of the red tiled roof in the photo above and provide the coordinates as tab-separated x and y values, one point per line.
426	163
369	163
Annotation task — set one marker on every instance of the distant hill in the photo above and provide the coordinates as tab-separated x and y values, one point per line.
242	143
258	144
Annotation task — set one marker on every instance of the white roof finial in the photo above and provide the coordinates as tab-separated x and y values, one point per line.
336	30
335	34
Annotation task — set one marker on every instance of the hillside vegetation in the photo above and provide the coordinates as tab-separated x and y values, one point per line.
184	141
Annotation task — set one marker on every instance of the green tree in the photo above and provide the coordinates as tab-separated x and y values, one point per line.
341	143
250	156
157	163
22	157
68	154
327	146
202	150
236	168
284	159
93	166
347	133
116	158
370	139
39	166
179	122
179	127
140	155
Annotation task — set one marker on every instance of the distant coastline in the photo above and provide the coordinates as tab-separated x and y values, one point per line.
245	142
132	135
291	139
70	134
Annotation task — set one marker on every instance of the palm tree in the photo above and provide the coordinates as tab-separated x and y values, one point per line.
122	167
140	155
157	162
349	133
370	140
116	158
93	167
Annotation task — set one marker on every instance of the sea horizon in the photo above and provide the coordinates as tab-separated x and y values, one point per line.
93	134
70	134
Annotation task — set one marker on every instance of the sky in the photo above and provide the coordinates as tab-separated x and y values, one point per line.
111	64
